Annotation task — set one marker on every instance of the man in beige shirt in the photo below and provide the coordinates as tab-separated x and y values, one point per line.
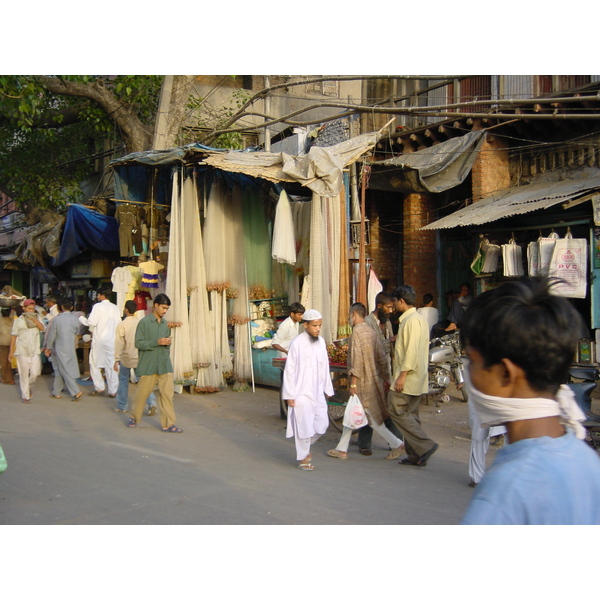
410	378
126	358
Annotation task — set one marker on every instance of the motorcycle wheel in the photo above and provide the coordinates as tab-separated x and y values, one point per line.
283	407
335	411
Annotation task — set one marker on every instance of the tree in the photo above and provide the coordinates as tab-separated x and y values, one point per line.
53	128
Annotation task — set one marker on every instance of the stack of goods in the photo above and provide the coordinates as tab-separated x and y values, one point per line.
338	354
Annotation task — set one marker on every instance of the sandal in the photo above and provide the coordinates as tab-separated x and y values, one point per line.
76	397
53	396
366	451
131	423
306	466
97	393
26	400
395	453
172	429
337	454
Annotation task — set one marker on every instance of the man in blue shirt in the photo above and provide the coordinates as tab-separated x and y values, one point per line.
520	340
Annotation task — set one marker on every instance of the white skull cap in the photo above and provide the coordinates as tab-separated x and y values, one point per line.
311	315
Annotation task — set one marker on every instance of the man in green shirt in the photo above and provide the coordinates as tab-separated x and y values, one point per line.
153	341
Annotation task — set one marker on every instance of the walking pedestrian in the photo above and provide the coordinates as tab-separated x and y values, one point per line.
103	321
60	347
379	321
153	341
306	383
25	346
126	358
410	378
369	373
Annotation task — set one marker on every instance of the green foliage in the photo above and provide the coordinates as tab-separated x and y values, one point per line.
45	154
209	118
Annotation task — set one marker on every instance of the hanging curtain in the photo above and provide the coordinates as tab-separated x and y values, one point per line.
202	337
284	245
215	240
176	290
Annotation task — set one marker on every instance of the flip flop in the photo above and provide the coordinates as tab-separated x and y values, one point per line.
53	396
97	393
131	423
337	454
76	397
306	467
406	461
26	400
366	451
172	429
423	459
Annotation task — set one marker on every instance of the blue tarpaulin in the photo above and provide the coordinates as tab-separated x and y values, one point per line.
87	229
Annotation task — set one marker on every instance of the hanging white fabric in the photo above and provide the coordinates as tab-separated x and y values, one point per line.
373	288
284	243
533	259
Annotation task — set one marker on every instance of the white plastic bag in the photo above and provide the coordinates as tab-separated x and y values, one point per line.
569	265
354	415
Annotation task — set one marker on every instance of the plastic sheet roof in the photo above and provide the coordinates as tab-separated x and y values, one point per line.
518	201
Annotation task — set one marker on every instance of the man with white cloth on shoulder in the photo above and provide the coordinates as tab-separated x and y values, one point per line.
306	383
520	340
103	321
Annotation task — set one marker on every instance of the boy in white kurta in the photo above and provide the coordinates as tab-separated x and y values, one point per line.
306	383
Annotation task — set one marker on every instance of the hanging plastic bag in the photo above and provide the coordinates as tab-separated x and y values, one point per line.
354	415
569	265
512	258
492	254
3	463
546	246
533	259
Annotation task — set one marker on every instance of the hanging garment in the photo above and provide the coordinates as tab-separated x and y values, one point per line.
121	279
284	246
128	219
150	270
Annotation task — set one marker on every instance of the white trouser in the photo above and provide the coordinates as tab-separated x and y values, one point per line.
382	430
112	377
29	369
303	445
480	443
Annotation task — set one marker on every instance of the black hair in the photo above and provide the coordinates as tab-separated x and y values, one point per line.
131	306
406	293
162	299
359	308
465	284
6	312
427	298
51	297
524	322
383	298
65	304
296	307
104	290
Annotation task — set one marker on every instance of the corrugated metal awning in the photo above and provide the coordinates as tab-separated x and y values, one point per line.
518	201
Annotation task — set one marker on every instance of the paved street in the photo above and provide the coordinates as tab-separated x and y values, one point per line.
77	463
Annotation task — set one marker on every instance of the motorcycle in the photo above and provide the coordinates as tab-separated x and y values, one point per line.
583	381
446	364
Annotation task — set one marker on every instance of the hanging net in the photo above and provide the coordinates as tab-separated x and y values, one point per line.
176	290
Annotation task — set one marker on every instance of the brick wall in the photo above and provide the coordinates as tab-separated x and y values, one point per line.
491	169
420	266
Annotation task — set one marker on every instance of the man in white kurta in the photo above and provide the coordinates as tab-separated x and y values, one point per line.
103	321
306	383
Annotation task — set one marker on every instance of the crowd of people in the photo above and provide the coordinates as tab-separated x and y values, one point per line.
123	348
546	474
519	340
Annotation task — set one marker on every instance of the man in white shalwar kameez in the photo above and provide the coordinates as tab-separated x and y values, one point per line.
103	321
306	383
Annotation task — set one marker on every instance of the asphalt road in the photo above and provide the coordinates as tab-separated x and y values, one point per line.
78	463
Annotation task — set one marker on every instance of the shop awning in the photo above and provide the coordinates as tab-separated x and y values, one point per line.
435	169
520	200
321	169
